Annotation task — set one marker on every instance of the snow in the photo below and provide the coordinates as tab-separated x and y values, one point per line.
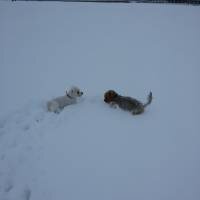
91	151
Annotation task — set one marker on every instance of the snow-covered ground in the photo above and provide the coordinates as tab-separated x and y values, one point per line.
90	151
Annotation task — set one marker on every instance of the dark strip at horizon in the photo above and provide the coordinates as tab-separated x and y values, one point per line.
193	2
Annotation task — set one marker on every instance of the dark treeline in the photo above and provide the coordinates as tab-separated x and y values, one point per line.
193	2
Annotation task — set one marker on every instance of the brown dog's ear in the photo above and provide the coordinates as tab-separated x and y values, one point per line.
109	96
114	94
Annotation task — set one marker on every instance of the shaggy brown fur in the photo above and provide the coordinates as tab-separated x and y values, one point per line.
126	103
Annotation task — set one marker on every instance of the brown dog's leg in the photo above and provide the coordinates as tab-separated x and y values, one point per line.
113	105
138	111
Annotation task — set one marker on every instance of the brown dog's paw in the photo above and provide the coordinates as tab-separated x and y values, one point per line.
113	105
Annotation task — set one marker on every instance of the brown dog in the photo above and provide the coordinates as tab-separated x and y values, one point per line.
126	103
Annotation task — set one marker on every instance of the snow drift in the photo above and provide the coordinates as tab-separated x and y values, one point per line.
90	151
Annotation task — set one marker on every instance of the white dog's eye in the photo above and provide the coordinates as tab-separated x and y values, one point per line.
78	92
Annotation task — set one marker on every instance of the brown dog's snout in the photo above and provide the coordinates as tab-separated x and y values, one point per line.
105	99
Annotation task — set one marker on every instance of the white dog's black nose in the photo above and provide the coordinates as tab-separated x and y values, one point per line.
79	93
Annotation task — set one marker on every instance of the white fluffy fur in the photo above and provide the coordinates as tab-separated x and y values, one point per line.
57	104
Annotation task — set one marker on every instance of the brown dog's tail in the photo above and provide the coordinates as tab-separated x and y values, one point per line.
149	100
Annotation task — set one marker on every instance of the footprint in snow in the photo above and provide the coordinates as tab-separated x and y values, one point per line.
26	194
8	186
2	157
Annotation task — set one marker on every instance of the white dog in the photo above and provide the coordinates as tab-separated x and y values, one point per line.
57	104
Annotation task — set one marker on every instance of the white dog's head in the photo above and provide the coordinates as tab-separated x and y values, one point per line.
74	92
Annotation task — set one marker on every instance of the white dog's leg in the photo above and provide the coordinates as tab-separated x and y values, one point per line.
57	111
52	106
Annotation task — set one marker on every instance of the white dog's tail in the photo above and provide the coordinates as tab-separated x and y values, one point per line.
149	99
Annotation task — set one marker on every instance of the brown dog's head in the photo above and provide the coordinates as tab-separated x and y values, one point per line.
110	95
